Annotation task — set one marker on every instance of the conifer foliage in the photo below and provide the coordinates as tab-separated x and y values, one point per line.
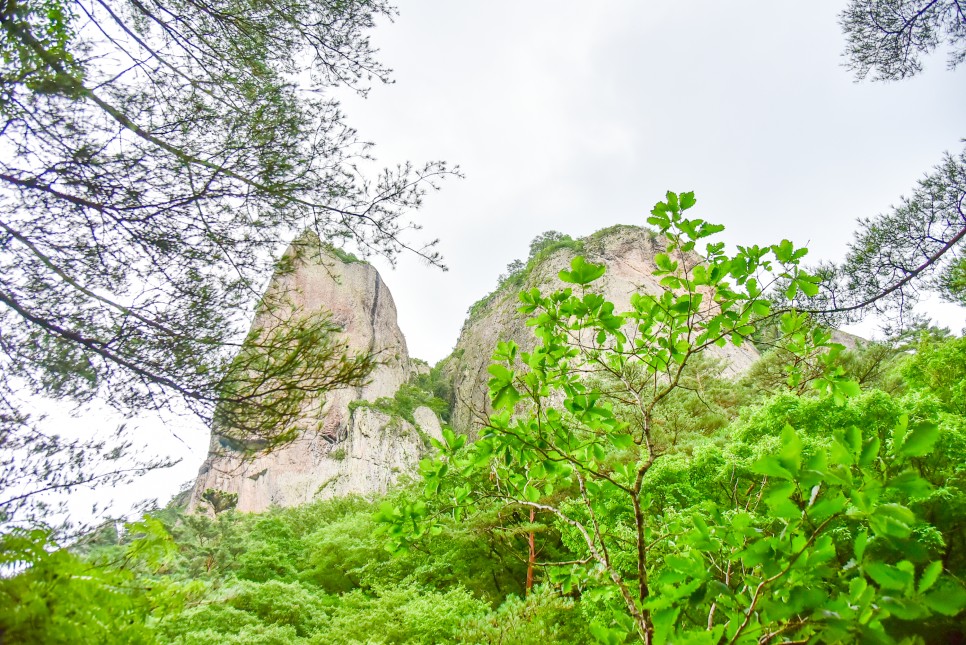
156	158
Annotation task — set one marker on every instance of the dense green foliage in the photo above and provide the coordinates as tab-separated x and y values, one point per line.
315	574
321	573
818	514
625	489
428	389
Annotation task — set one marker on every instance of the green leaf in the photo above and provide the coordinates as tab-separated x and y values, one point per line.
948	600
861	540
482	452
531	493
888	576
687	200
771	466
827	507
910	483
893	520
902	608
664	263
672	200
869	451
857	587
920	441
505	397
853	439
670	282
808	287
848	388
621	441
791	450
783	251
582	272
500	372
779	491
929	575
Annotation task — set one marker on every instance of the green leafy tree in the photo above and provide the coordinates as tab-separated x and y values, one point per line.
584	433
59	597
939	367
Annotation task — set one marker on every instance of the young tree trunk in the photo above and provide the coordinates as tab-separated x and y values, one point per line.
532	555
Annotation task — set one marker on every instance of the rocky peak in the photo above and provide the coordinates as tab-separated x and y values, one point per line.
360	440
627	251
341	450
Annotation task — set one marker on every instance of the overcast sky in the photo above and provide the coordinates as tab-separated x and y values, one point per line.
574	116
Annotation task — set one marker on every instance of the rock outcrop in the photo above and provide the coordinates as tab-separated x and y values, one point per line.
627	251
340	450
348	446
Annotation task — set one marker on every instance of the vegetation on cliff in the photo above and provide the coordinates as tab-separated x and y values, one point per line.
430	389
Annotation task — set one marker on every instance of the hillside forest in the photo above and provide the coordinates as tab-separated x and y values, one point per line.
622	483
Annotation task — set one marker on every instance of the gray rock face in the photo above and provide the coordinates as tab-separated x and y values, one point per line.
628	253
339	451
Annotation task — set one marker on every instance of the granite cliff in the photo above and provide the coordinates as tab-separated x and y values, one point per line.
627	251
342	449
356	440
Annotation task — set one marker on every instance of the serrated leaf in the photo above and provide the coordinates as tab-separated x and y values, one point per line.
910	483
893	520
664	263
531	493
869	451
848	388
861	540
828	507
809	288
853	440
888	576
769	465
621	441
929	575
791	450
920	440
857	587
783	251
582	272
778	491
505	397
948	600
